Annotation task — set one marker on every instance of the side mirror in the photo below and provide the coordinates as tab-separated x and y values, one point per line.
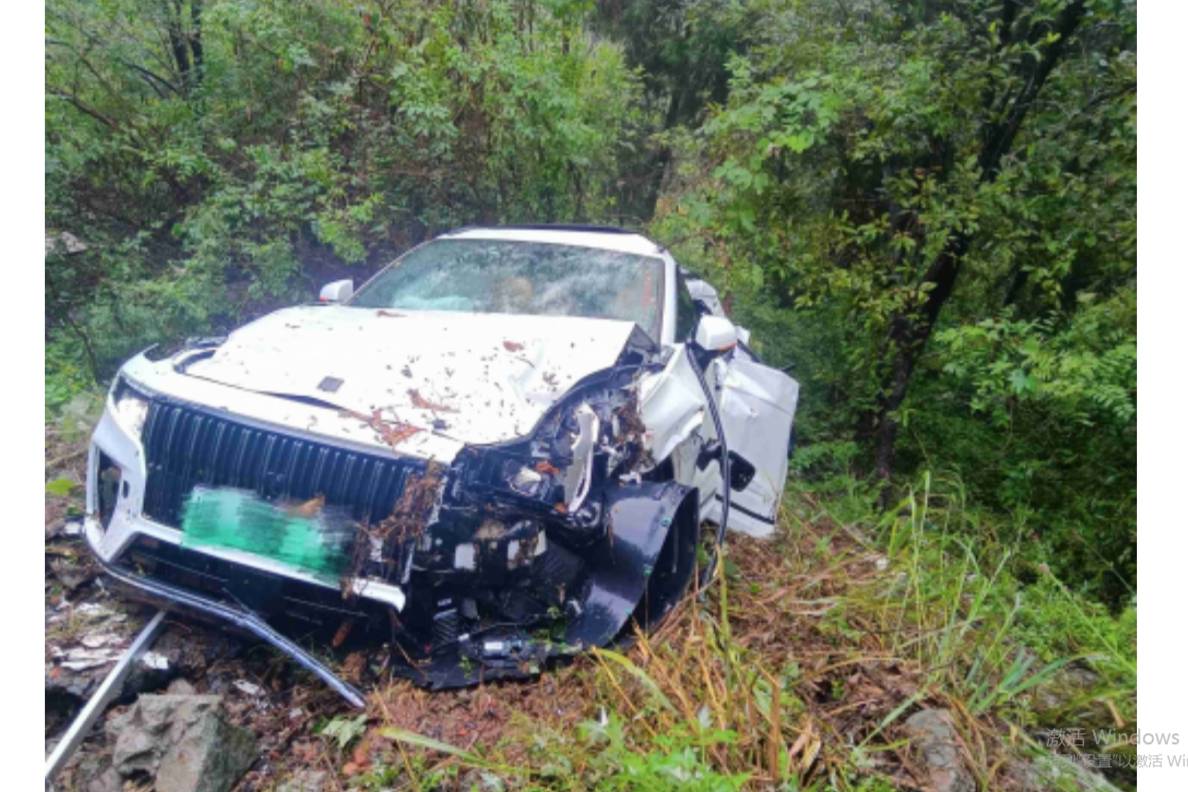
339	291
715	334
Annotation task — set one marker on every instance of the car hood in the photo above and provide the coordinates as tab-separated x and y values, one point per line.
475	378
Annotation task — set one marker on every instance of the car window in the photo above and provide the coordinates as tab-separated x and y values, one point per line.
508	276
686	311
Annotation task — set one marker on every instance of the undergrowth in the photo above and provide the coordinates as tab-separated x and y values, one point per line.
795	670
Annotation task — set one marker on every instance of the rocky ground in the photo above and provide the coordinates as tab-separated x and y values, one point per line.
234	708
207	711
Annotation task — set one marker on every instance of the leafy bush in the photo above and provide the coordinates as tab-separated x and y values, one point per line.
954	290
280	141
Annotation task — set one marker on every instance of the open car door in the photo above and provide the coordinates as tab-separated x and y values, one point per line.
757	404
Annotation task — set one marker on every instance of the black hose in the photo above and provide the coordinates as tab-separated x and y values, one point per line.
723	462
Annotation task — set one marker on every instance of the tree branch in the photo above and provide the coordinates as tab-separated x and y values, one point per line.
83	108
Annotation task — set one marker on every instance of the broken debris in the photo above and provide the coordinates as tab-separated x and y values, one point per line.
421	403
391	432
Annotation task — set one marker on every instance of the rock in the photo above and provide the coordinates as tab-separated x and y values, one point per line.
305	781
1046	770
73	574
248	688
92	637
180	687
97	775
182	742
936	741
1069	697
99	640
97	616
80	658
72	687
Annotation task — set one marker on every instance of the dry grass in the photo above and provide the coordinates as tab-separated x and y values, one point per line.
793	670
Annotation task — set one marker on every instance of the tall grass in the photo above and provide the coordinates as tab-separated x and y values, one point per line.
799	666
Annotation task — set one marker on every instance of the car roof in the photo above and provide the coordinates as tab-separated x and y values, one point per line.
602	237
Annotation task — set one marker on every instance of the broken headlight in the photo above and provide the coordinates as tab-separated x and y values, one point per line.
129	406
590	438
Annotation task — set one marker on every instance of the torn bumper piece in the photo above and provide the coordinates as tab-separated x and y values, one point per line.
640	568
172	596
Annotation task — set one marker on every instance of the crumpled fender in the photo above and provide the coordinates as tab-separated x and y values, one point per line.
639	517
671	407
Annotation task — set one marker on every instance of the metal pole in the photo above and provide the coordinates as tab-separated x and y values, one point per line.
111	687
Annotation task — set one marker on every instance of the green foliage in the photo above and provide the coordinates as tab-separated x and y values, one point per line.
1055	408
67	372
1000	634
305	138
343	730
61	487
676	759
854	164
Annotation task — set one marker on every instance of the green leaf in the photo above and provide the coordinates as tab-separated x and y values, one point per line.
344	731
421	741
61	487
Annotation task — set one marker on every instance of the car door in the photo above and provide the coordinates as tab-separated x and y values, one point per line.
757	405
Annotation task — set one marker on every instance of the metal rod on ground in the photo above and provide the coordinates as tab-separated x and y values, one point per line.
111	687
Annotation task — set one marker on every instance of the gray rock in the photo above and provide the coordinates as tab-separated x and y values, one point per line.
95	774
1069	697
305	781
180	687
182	742
938	744
1046	771
73	574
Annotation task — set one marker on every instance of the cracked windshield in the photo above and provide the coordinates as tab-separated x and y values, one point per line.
496	276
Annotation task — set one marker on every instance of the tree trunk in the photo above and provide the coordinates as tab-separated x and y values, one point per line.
908	333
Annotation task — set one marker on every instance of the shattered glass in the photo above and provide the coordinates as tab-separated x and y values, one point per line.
517	277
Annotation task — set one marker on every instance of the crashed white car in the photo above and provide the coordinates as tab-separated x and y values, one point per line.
503	448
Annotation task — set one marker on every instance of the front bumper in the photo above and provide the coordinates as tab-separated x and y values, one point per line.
127	524
172	597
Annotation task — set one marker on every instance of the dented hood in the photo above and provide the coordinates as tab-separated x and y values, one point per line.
475	378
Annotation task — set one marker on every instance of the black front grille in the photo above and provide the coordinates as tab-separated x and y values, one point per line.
186	446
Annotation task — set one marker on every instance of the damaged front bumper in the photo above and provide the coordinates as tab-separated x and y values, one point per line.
489	567
173	597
